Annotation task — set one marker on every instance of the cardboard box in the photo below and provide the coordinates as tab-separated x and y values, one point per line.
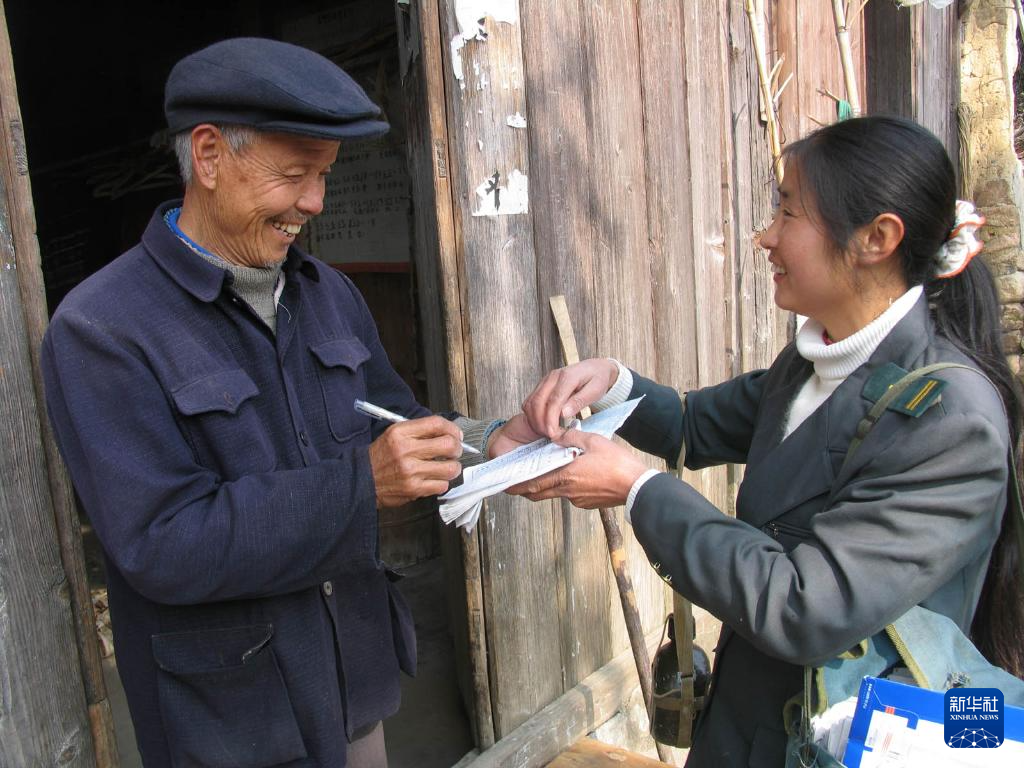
902	726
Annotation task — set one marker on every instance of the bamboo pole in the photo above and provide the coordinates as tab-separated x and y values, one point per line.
616	546
764	80
846	56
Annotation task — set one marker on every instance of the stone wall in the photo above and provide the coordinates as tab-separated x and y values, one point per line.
992	170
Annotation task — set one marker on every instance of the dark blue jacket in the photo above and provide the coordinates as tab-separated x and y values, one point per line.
228	479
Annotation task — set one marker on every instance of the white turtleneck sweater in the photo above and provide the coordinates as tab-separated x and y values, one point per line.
833	362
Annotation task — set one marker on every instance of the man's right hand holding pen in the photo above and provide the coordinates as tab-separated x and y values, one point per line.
419	457
415	458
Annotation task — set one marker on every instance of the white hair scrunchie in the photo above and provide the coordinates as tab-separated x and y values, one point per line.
956	253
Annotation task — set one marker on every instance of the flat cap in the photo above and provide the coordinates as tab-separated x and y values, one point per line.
270	86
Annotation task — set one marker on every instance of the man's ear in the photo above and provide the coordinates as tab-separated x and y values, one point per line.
879	239
207	153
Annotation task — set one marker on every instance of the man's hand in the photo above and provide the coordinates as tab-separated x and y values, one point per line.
510	435
414	459
601	477
566	391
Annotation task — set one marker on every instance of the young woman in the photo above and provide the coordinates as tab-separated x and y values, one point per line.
866	243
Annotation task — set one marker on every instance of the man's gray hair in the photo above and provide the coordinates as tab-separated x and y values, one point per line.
237	136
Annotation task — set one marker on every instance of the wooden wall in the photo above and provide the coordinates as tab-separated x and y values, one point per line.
648	178
913	66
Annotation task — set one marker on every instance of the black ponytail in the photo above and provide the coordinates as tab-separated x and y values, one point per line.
857	169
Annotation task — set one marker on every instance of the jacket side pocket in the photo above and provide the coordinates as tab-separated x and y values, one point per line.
223	700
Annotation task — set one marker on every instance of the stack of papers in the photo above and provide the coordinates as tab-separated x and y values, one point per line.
462	503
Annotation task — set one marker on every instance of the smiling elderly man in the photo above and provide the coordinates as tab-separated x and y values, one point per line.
201	388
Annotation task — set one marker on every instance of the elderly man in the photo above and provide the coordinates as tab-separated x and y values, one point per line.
201	388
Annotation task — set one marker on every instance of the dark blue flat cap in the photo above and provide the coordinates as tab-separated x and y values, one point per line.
270	86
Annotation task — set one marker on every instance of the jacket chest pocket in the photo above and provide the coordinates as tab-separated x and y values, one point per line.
220	419
339	370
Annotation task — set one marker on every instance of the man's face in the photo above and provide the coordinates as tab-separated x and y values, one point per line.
265	193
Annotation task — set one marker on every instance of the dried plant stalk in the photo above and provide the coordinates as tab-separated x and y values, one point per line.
846	56
764	80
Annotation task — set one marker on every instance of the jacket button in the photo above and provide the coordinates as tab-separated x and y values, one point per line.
328	588
304	438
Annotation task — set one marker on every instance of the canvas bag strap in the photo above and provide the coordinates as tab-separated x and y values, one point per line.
683	612
869	421
1015	500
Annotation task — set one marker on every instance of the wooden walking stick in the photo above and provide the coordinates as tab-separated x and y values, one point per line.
616	546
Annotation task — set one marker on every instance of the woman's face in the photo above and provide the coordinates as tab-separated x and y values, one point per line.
810	278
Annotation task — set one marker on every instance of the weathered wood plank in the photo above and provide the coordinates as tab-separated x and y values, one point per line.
440	318
708	122
806	36
937	92
557	82
497	267
50	510
567	719
44	718
670	195
913	66
762	328
590	753
890	86
623	304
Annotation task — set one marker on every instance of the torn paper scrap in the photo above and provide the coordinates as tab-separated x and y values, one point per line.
498	200
470	15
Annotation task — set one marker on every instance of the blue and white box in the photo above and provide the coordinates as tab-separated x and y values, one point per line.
902	726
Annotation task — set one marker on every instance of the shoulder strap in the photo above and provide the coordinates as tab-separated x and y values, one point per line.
683	612
1015	500
894	391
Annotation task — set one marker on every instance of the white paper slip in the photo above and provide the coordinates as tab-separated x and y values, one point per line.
462	503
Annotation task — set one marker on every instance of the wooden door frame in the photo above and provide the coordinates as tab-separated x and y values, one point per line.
440	281
51	507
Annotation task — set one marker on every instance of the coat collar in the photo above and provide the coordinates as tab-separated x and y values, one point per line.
782	474
204	280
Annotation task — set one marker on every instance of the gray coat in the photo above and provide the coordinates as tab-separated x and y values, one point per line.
818	559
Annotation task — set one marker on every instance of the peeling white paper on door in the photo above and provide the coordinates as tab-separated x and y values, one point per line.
499	200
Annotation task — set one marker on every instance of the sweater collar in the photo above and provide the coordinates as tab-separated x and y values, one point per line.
200	277
837	360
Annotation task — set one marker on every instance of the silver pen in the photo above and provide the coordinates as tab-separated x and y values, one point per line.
376	412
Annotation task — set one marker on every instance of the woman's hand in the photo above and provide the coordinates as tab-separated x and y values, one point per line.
601	477
566	391
510	435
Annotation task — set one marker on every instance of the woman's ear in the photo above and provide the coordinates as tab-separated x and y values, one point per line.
879	239
207	152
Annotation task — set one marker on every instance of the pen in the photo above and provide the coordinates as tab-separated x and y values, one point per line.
376	412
